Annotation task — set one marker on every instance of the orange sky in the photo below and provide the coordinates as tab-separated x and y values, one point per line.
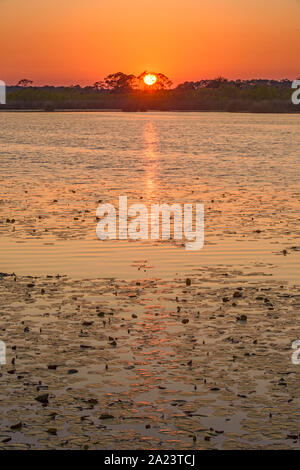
81	41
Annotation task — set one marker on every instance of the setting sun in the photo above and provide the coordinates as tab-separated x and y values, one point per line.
150	79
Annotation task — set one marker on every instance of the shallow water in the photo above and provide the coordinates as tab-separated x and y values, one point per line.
92	259
123	317
55	167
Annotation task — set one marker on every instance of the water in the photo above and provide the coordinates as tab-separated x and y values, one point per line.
56	167
124	320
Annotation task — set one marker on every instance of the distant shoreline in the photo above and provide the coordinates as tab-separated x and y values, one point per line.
257	96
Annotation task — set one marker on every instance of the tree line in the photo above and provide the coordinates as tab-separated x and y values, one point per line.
122	82
127	92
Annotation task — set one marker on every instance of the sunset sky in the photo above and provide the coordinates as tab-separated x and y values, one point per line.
81	41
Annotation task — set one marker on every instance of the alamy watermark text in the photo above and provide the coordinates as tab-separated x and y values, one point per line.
2	92
145	225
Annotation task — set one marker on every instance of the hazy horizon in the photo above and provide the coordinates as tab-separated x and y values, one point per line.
76	82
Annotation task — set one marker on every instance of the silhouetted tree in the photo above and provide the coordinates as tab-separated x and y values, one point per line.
100	85
187	86
162	81
217	82
120	82
25	83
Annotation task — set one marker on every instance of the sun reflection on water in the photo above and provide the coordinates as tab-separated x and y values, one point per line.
151	160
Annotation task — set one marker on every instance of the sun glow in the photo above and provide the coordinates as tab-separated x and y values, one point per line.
150	79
